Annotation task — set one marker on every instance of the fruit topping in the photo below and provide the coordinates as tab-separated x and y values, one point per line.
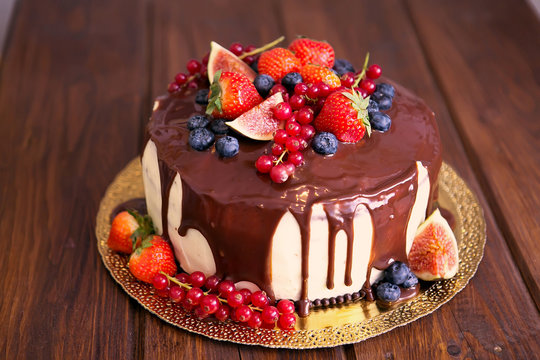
310	51
411	281
384	101
219	127
231	95
259	123
277	63
325	143
388	292
197	121
153	257
434	251
344	114
313	74
372	107
396	273
290	80
201	139
127	230
263	83
342	66
227	146
386	89
380	121
374	72
202	97
226	61
264	164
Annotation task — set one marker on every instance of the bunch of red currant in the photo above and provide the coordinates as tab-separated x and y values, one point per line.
222	300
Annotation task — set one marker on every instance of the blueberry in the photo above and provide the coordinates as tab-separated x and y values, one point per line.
263	83
411	281
380	121
219	127
227	146
386	89
396	273
290	80
385	103
202	97
342	66
201	139
255	65
325	143
197	121
377	96
388	292
372	107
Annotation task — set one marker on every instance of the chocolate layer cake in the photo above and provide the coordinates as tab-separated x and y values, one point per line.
328	231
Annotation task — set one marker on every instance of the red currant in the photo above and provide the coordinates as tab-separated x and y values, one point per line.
324	89
297	101
250	48
205	58
200	313
277	149
194	296
259	299
186	304
235	299
255	320
296	158
236	48
374	71
270	315
368	85
347	79
307	132
292	128
173	87
313	92
210	303
163	292
292	144
226	287
285	306
300	89
183	278
363	92
193	66
280	88
244	313
289	166
278	174
197	278
305	115
223	312
282	111
280	137
160	281
180	78
177	293
247	296
249	59
192	84
264	164
303	144
286	321
212	282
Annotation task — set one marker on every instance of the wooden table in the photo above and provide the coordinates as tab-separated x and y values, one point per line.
77	81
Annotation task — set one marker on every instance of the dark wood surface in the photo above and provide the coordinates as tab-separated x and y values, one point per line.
77	80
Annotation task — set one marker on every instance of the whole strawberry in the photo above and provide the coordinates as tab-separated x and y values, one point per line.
312	74
127	230
313	52
152	257
231	95
277	63
344	114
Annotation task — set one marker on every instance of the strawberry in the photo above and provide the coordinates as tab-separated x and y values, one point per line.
127	230
277	63
344	114
312	74
152	257
231	95
310	51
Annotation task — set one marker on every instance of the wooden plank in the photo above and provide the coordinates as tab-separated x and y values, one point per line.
492	321
491	83
67	88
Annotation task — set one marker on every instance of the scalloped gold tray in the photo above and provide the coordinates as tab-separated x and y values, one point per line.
325	327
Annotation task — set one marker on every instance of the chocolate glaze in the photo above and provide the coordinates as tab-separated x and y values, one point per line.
138	204
238	210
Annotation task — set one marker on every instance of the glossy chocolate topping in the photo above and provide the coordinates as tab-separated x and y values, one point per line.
237	210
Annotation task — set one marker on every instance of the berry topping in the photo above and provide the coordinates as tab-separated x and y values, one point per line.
259	299
127	230
197	279
219	127
225	288
396	273
235	299
372	107
211	282
210	304
197	121
193	66
291	80
316	73
342	66
386	89
325	143
279	174
194	296
263	83
223	312
264	164
286	321
278	62
283	111
227	146
347	79
255	321
305	115
411	281
151	258
173	87
236	48
285	306
278	88
177	293
201	139
202	97
384	101
300	89
374	72
380	121
244	313
270	315
297	101
388	292
313	52
160	282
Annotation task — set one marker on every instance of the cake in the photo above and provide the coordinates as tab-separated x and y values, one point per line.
328	231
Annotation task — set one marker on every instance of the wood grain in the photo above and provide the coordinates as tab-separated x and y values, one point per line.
492	82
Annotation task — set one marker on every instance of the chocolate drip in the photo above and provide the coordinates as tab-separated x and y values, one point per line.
138	204
166	176
303	217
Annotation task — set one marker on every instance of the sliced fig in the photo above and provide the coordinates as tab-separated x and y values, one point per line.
259	123
224	60
434	252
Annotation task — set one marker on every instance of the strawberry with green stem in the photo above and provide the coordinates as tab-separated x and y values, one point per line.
127	230
153	257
